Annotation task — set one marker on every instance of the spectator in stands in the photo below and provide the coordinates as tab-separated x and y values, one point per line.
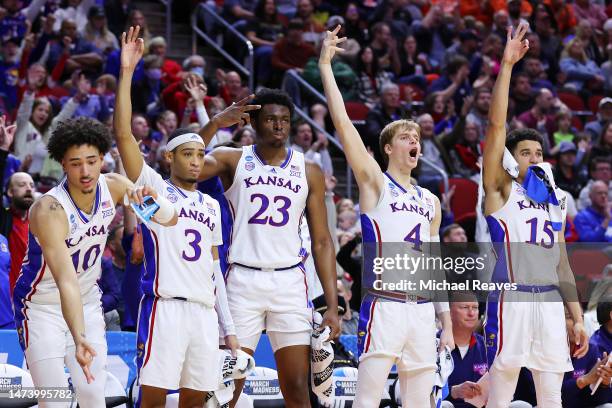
454	82
580	70
567	172
584	31
106	85
263	31
175	96
137	18
97	33
593	223
351	46
604	115
350	261
9	75
413	65
564	132
601	170
467	151
434	151
469	355
602	289
564	15
370	78
15	18
441	109
355	27
534	68
603	148
76	11
312	29
384	47
467	47
231	88
576	389
586	10
350	318
433	35
302	135
237	11
521	94
170	69
35	124
117	12
89	105
386	111
479	113
606	69
109	286
602	338
146	92
454	233
291	52
166	123
244	136
540	116
82	53
344	74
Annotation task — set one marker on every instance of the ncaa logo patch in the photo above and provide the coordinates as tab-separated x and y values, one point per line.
249	166
394	193
172	198
73	225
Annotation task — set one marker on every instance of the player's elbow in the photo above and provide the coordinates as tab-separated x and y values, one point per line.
322	244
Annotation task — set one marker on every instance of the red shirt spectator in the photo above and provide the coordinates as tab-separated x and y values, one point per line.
291	51
171	70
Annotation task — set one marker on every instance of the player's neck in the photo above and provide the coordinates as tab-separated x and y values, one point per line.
272	155
84	201
401	176
462	336
184	184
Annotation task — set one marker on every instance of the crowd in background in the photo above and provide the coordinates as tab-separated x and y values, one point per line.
434	61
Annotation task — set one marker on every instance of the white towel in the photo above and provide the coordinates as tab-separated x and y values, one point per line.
231	368
322	363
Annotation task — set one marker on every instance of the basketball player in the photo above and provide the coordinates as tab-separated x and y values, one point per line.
411	343
58	312
178	328
521	333
270	188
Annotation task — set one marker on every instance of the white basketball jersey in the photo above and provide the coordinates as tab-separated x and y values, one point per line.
267	204
178	259
86	240
526	245
401	216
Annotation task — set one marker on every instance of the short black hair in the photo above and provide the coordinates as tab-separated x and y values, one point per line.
77	132
268	96
518	135
455	64
599	160
604	307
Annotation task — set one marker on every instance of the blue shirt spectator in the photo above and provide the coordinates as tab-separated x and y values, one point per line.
575	397
109	286
601	340
593	224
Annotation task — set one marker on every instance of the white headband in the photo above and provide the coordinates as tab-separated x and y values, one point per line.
185	138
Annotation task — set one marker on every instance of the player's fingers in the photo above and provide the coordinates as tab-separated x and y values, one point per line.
123	39
90	378
338	49
248	108
244	100
508	34
129	34
135	34
336	30
337	40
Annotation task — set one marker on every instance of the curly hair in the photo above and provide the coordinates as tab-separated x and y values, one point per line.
77	132
267	96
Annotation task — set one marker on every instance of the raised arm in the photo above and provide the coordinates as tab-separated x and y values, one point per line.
132	49
367	172
48	223
495	177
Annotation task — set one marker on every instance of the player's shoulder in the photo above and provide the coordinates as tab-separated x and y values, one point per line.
226	152
46	209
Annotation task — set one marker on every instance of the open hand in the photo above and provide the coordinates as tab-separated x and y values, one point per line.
516	45
132	48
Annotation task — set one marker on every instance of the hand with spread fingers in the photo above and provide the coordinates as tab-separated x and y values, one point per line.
197	91
330	46
237	112
516	45
132	48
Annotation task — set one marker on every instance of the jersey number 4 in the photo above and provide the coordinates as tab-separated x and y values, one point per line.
258	217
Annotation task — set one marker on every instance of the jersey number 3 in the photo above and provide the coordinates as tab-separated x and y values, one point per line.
265	203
